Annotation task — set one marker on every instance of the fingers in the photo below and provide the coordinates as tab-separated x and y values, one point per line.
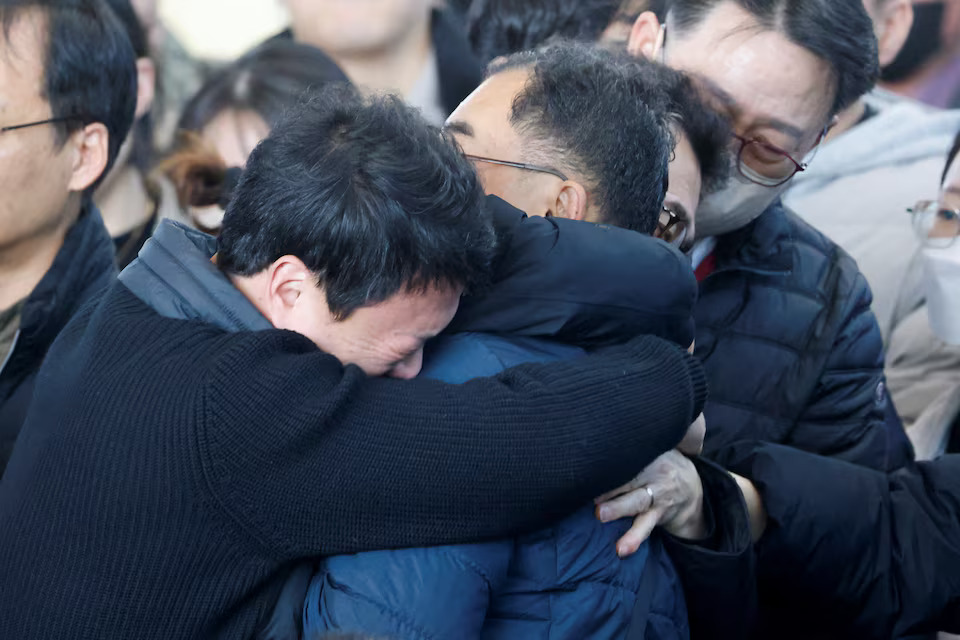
642	527
633	485
692	443
626	506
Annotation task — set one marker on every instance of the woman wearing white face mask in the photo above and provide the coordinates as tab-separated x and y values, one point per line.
923	358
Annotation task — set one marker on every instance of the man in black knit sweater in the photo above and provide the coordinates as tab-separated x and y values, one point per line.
215	417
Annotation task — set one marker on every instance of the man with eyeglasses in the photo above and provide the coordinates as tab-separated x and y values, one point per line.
783	322
67	98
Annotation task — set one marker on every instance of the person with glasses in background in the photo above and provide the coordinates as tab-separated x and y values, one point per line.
784	324
924	351
68	91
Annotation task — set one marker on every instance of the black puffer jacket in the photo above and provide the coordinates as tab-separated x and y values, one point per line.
792	351
82	269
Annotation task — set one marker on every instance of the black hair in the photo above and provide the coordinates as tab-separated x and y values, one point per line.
601	116
707	130
502	27
141	154
267	81
371	198
90	72
951	156
839	32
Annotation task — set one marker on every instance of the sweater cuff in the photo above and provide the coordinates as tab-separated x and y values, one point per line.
698	381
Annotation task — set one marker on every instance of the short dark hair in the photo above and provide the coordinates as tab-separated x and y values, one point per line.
502	27
601	116
371	198
839	32
141	153
707	130
89	67
267	80
951	156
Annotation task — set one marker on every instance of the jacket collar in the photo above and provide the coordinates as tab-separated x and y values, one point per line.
174	276
83	266
765	246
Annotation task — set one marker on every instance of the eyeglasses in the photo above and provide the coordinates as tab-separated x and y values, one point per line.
15	127
671	228
934	225
517	165
765	164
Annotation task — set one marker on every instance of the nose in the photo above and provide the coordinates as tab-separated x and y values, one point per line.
409	368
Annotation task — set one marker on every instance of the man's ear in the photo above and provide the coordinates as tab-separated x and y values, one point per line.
146	86
571	202
91	146
646	36
893	27
288	278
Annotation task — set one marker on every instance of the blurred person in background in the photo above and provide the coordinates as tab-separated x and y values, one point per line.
928	66
502	27
407	47
231	114
878	156
783	321
178	74
68	88
923	359
131	201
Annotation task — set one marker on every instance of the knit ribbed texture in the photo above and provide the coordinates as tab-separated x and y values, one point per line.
170	472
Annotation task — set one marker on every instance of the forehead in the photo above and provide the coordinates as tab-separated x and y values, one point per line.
487	111
21	60
420	314
763	73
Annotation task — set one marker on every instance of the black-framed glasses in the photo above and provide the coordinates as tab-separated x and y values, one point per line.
518	165
934	225
27	125
671	228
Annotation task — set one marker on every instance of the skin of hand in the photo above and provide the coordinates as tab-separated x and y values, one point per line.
677	503
755	509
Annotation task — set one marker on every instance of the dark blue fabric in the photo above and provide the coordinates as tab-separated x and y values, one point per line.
562	582
558	283
793	353
83	268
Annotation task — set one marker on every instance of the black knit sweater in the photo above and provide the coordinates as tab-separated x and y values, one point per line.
170	472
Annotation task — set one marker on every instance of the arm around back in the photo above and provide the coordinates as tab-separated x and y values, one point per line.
313	458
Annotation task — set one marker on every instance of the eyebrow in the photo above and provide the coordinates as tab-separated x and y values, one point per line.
954	191
459	126
793	131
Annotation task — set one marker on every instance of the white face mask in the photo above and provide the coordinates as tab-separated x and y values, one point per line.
942	282
735	206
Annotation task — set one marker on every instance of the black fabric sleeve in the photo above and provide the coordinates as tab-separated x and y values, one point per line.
718	573
315	459
581	283
860	552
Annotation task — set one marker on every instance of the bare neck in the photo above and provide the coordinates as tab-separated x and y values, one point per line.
124	202
395	69
23	265
848	119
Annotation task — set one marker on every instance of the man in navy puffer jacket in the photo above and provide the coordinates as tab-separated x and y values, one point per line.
553	299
